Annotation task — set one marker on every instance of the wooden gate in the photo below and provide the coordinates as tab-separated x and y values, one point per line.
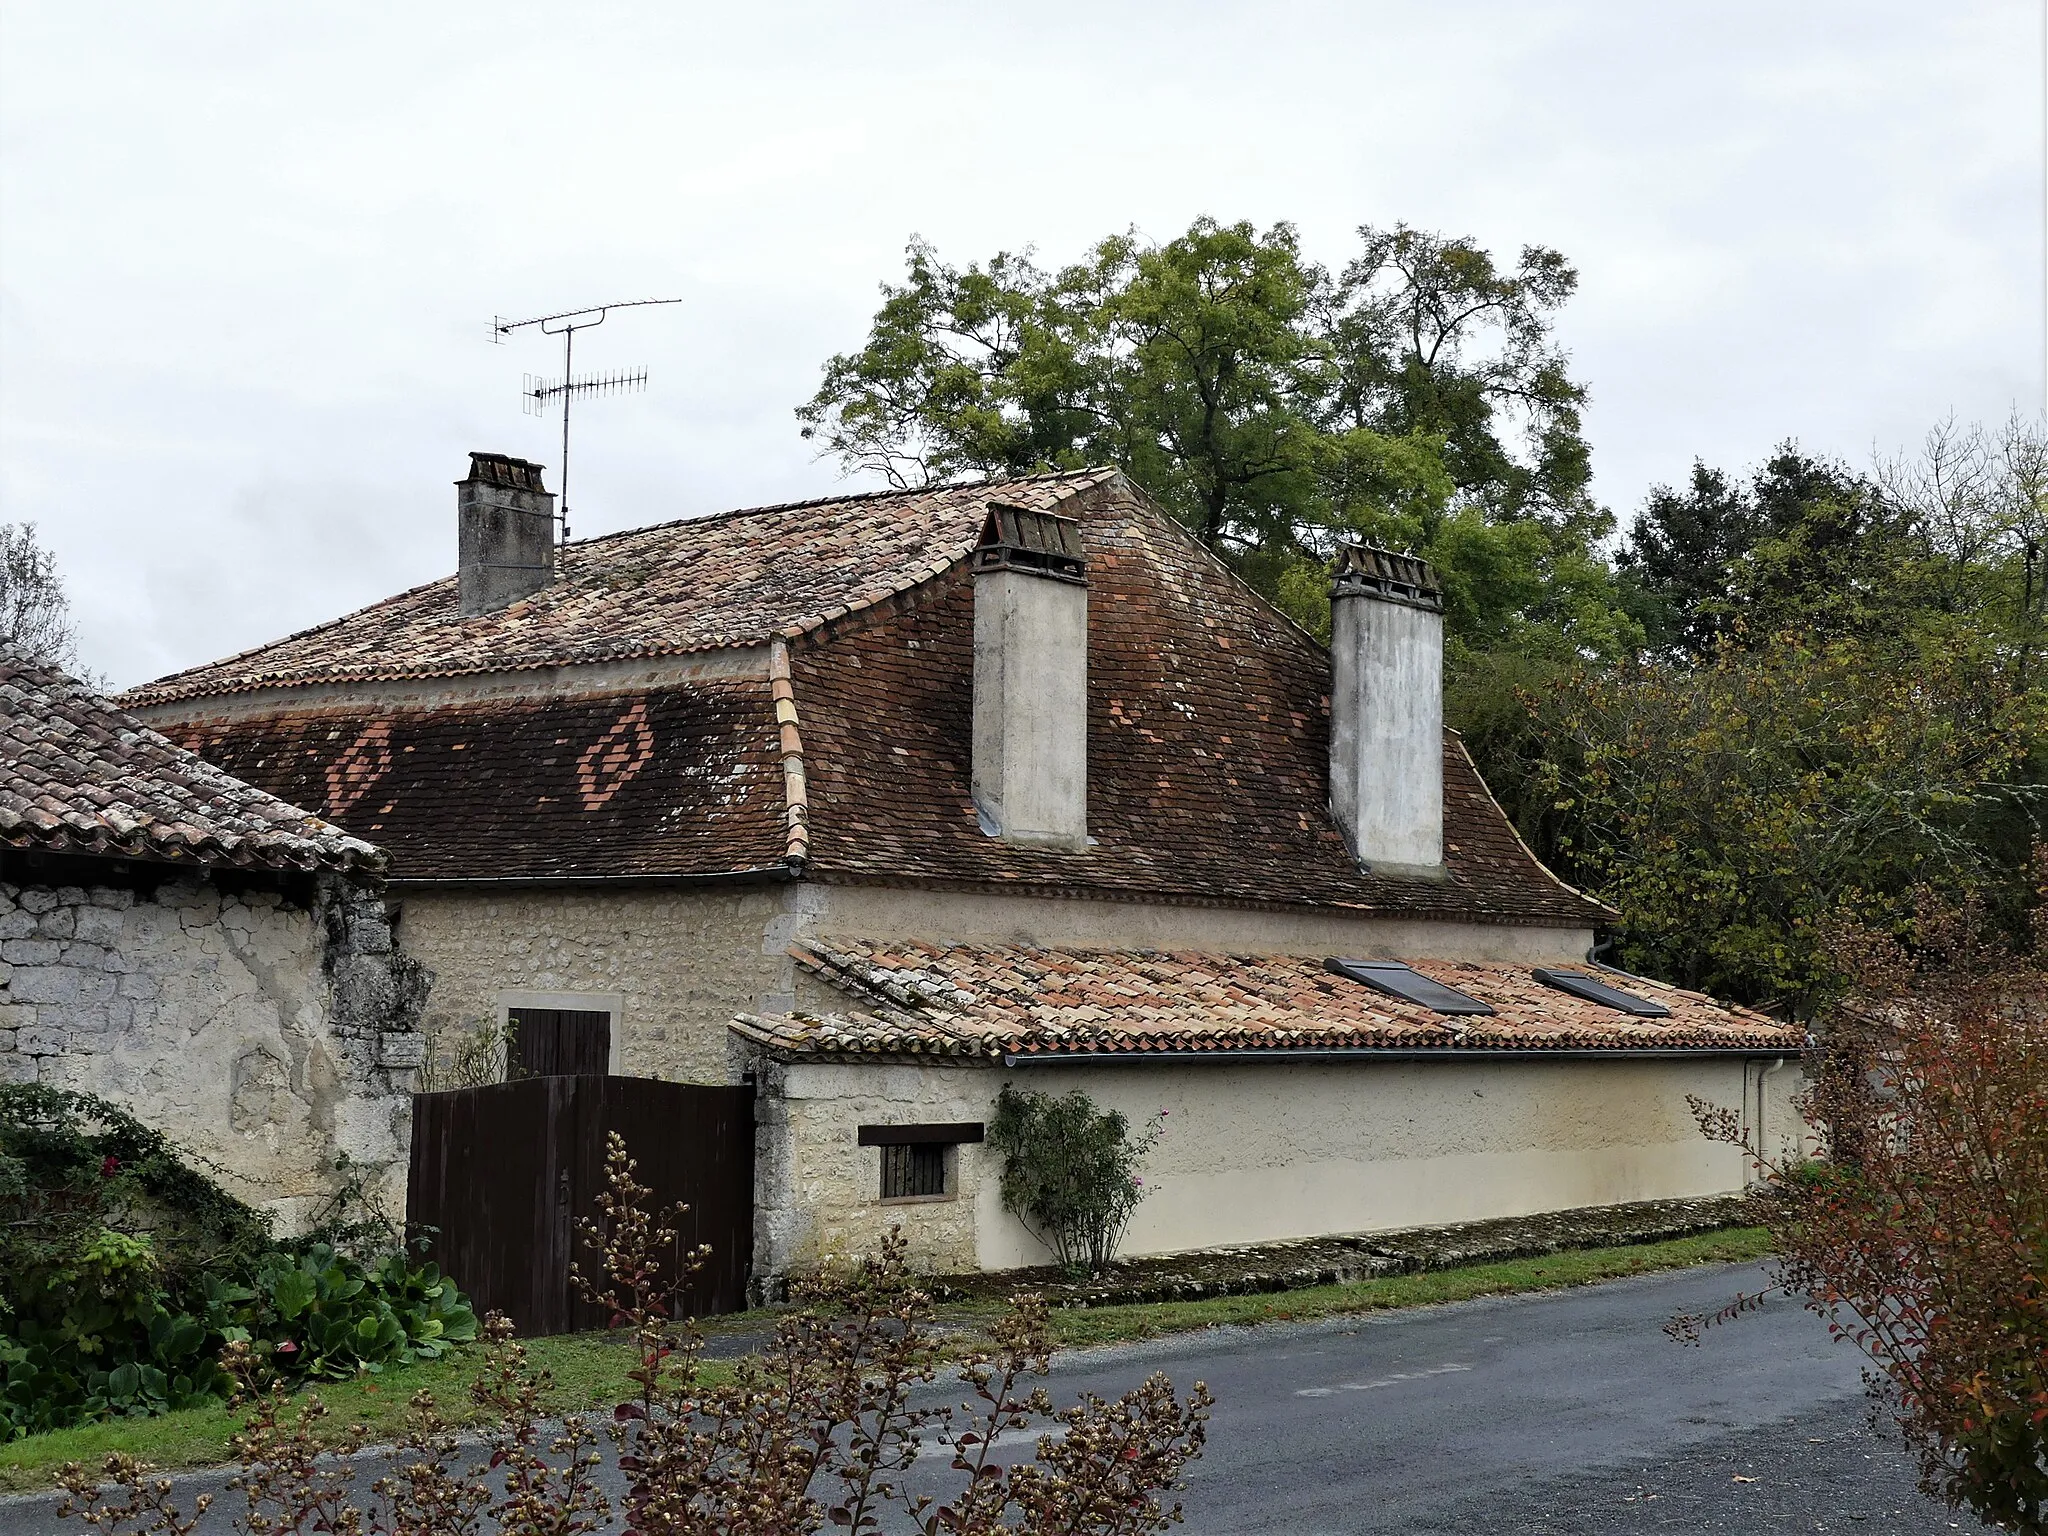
504	1174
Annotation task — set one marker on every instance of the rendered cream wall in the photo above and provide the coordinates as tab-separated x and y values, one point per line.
1258	1153
884	912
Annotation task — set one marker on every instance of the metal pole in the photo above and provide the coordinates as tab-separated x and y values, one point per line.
568	395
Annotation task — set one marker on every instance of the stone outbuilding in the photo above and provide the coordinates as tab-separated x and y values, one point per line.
882	801
213	959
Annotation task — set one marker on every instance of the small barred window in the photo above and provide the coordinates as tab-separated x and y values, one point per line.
910	1172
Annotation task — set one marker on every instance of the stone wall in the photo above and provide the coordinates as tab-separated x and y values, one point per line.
268	1030
680	963
1260	1152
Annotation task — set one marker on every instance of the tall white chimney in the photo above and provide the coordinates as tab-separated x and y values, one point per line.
505	533
1387	710
1030	772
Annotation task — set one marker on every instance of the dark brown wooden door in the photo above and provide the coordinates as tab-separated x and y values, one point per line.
502	1175
560	1042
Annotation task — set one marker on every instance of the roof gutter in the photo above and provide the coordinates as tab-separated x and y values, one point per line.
759	874
1383	1053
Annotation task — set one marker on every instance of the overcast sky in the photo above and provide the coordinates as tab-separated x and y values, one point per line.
249	254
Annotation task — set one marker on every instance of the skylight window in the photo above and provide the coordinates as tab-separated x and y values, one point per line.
1411	986
1578	984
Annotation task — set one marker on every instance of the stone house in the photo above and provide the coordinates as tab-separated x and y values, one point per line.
210	957
880	802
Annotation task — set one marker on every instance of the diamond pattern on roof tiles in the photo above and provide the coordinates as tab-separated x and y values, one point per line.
983	1000
678	780
79	776
1208	722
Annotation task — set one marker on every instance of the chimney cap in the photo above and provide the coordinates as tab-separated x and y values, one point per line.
1020	539
504	470
1368	570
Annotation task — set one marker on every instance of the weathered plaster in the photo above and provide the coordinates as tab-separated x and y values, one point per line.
1030	754
1258	1152
882	912
1387	728
267	1036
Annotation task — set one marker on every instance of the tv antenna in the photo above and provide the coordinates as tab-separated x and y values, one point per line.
538	393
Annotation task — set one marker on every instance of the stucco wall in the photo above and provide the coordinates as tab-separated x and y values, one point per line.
1030	759
1258	1153
267	1034
1387	727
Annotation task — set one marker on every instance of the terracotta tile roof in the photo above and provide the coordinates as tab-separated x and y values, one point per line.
682	780
78	775
739	578
849	759
975	1000
1208	752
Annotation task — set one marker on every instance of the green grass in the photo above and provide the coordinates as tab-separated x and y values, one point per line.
589	1370
1119	1325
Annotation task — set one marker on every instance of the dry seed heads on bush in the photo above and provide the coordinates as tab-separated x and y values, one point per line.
819	1431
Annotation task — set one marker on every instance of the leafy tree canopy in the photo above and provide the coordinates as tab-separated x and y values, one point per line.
1416	397
1791	693
1841	701
35	613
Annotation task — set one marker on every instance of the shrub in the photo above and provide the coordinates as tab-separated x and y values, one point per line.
474	1058
1924	1236
1070	1171
816	1432
124	1273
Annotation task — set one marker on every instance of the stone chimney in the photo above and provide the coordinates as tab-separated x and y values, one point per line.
1387	710
505	532
1031	679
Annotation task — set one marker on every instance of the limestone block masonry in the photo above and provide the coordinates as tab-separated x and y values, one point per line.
681	963
266	1034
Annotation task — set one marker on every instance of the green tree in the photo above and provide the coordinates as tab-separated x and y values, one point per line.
1430	337
1680	560
1974	508
1803	541
35	612
1186	364
1729	808
1418	400
1842	700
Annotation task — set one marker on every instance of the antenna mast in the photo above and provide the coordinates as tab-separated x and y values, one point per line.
537	393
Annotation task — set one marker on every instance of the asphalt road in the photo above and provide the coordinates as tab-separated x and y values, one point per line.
1562	1413
1566	1414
